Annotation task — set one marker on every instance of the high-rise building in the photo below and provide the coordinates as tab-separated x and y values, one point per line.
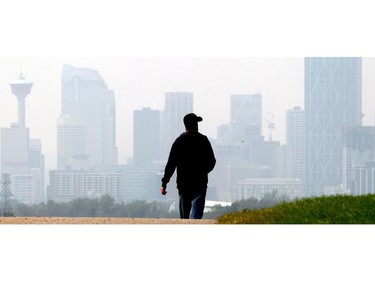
333	93
242	151
14	155
88	103
295	140
177	105
146	136
245	117
71	144
36	168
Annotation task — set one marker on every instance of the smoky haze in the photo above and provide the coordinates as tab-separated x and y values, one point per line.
143	82
216	85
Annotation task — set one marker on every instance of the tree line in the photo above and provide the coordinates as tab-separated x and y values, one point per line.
106	206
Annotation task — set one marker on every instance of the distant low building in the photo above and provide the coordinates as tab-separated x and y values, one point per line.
210	205
258	187
359	159
69	185
22	188
335	190
364	179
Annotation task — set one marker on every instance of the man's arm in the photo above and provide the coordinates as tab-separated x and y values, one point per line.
211	160
169	168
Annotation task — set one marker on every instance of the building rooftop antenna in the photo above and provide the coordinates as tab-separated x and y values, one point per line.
21	69
271	126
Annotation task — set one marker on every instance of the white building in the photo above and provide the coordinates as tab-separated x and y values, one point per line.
258	187
68	185
295	140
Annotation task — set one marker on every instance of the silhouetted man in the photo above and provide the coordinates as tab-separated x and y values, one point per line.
192	155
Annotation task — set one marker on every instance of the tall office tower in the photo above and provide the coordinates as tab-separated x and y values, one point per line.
224	136
71	144
333	93
14	155
245	117
89	104
295	140
177	105
21	88
36	168
146	140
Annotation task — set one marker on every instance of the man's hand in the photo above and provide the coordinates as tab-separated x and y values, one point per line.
163	190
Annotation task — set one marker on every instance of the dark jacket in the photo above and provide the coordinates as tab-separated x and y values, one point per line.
192	155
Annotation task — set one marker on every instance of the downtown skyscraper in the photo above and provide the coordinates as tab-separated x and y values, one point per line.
295	139
333	96
177	105
86	131
146	136
245	117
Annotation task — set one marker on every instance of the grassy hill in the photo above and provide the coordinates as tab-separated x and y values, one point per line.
340	209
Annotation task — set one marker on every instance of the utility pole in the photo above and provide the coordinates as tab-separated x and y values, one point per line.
6	195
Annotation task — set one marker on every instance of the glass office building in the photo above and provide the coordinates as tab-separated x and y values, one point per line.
333	90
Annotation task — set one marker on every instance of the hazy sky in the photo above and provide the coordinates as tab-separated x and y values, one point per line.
143	82
145	49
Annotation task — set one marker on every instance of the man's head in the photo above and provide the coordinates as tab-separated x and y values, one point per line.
191	122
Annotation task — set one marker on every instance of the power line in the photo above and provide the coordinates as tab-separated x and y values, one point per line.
6	195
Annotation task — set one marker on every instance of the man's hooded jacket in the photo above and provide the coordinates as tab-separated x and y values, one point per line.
192	155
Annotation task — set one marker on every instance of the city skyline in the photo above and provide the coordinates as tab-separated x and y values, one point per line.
73	31
143	82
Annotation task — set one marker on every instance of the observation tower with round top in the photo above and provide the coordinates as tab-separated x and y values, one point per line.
21	88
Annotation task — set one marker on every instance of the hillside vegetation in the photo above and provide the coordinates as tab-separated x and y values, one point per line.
340	209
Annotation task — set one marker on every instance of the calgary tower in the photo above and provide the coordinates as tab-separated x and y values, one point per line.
21	88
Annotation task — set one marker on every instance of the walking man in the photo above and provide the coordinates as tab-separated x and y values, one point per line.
192	155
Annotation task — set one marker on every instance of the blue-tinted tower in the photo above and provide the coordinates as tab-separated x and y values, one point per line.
333	90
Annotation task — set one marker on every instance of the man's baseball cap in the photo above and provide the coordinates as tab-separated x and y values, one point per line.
192	118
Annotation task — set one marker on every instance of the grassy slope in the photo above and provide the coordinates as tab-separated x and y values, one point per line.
341	209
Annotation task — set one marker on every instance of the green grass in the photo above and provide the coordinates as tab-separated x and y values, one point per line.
340	209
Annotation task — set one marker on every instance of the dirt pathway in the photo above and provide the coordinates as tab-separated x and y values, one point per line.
86	220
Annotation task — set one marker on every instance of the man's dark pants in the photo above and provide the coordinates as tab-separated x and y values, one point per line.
191	203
